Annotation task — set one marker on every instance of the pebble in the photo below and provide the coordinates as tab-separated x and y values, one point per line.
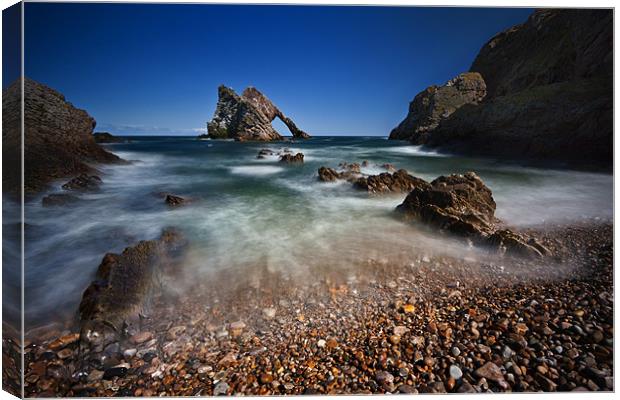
141	337
455	372
221	389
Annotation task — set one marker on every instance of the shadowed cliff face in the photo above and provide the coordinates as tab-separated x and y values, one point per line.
549	86
248	117
58	138
437	103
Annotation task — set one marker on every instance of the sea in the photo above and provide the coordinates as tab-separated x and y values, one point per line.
243	210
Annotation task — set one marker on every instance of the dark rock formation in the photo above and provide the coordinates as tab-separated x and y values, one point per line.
123	286
106	137
174	201
292	159
549	93
263	153
328	174
552	46
83	183
349	172
58	138
463	205
437	103
398	182
247	117
59	199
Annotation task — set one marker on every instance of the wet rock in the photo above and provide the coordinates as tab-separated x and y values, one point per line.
464	206
292	159
398	182
174	201
83	183
59	199
124	285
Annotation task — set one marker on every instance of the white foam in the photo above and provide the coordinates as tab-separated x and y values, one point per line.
415	151
256	170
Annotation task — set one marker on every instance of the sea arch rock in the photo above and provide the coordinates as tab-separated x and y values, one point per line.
248	117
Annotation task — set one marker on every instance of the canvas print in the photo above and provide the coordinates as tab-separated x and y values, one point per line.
206	200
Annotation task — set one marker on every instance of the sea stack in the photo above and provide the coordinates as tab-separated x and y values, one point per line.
248	117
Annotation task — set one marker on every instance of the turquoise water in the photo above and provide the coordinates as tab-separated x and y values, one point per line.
244	210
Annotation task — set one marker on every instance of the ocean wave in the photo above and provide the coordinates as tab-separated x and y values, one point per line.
255	170
415	151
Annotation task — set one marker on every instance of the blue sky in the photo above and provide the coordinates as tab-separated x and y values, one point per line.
154	69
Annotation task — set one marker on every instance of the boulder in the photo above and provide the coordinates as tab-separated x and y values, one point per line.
83	183
58	138
436	103
327	174
459	204
59	199
462	205
292	159
106	137
398	182
247	117
349	172
174	201
123	287
263	153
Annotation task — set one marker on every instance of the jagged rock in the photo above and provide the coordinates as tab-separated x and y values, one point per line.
398	182
174	201
328	174
58	138
463	205
292	159
59	199
123	286
349	172
247	117
436	103
460	204
389	167
83	183
106	137
263	153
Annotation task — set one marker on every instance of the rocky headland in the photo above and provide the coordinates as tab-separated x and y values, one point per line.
58	139
248	117
106	137
549	95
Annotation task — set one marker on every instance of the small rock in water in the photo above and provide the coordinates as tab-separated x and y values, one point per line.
456	351
269	313
321	343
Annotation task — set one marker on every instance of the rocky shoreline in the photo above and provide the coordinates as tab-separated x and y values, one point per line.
430	324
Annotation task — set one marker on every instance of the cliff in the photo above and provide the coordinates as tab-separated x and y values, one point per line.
58	138
549	84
